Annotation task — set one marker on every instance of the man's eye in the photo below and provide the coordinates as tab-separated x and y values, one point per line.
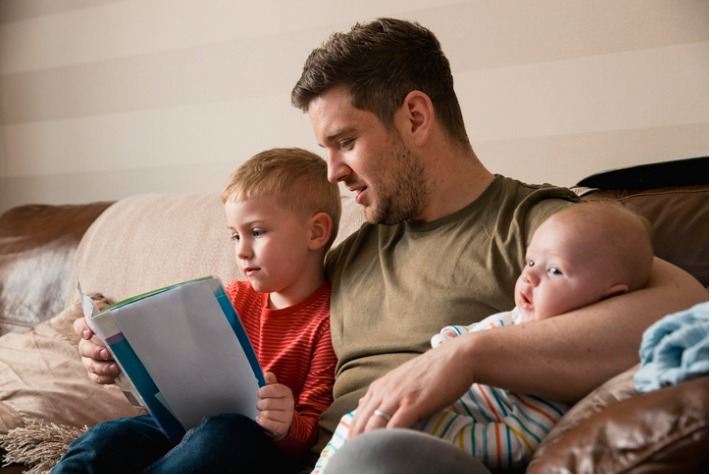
555	271
346	144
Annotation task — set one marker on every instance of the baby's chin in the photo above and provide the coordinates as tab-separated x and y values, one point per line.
526	315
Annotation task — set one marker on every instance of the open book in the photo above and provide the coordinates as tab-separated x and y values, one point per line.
182	351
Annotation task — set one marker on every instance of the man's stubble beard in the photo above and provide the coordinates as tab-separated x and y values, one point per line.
405	200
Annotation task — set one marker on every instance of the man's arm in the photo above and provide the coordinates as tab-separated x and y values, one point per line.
561	358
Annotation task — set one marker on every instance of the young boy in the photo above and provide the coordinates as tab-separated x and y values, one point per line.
585	253
283	215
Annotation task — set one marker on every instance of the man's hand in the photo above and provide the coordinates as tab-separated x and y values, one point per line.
100	366
276	406
414	390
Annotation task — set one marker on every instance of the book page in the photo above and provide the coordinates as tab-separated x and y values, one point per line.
188	346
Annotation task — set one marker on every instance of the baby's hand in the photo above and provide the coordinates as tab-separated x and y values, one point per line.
276	406
447	334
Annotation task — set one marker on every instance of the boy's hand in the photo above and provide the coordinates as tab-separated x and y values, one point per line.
100	366
276	406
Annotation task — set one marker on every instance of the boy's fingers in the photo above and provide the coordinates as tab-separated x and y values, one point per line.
270	378
274	391
82	329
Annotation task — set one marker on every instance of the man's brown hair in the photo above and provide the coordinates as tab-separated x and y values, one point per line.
379	63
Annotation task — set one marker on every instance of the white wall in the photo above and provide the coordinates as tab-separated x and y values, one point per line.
100	99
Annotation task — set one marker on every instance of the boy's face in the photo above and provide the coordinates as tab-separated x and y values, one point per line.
565	269
271	243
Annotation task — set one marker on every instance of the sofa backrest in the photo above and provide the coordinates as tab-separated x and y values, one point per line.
148	241
145	242
680	220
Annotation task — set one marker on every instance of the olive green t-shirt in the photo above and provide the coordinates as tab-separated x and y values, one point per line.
395	286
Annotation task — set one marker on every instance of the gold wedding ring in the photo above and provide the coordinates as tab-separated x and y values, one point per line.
383	415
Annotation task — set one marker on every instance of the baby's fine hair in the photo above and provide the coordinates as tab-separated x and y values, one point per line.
295	177
627	235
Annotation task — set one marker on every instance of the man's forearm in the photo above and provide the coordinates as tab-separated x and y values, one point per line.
566	357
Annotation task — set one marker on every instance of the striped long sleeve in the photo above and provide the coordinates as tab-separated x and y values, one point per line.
499	427
295	344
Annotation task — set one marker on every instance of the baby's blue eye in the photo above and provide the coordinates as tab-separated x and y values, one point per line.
555	271
530	263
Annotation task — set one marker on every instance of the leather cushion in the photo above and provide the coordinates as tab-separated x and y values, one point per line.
664	431
37	248
680	220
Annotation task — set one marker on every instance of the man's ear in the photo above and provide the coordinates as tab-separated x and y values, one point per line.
420	114
617	289
321	226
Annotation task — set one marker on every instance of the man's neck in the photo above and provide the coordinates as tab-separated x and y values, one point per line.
457	180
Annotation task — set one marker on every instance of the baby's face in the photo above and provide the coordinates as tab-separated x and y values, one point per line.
564	270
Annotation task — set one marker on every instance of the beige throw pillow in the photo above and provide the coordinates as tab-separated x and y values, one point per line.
42	378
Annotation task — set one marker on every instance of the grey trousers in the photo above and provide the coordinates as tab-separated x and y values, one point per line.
401	451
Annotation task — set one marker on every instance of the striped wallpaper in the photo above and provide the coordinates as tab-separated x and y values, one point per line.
100	99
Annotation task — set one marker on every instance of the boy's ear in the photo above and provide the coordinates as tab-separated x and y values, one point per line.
617	289
321	226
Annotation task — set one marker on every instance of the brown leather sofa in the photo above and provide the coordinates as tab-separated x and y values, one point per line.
37	248
146	241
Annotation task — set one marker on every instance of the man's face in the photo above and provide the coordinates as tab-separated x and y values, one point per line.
370	159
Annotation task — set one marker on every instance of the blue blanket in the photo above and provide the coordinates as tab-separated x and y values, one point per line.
675	348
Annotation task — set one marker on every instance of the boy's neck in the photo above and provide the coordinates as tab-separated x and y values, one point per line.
308	283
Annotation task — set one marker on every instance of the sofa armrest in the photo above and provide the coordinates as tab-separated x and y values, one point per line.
664	431
37	249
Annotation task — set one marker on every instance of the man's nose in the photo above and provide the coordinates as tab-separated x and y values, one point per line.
337	170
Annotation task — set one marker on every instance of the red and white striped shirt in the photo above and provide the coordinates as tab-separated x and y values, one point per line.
295	344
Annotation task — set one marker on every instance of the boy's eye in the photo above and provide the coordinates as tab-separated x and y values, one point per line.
258	232
235	237
555	271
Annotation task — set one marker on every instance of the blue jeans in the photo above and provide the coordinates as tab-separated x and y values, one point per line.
228	443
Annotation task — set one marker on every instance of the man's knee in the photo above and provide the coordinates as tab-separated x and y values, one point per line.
401	451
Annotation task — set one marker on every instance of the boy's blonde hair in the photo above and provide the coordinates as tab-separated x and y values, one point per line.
624	236
295	177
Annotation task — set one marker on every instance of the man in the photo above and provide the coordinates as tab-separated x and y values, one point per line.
444	245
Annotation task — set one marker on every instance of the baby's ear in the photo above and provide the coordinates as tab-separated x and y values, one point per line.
617	289
321	226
